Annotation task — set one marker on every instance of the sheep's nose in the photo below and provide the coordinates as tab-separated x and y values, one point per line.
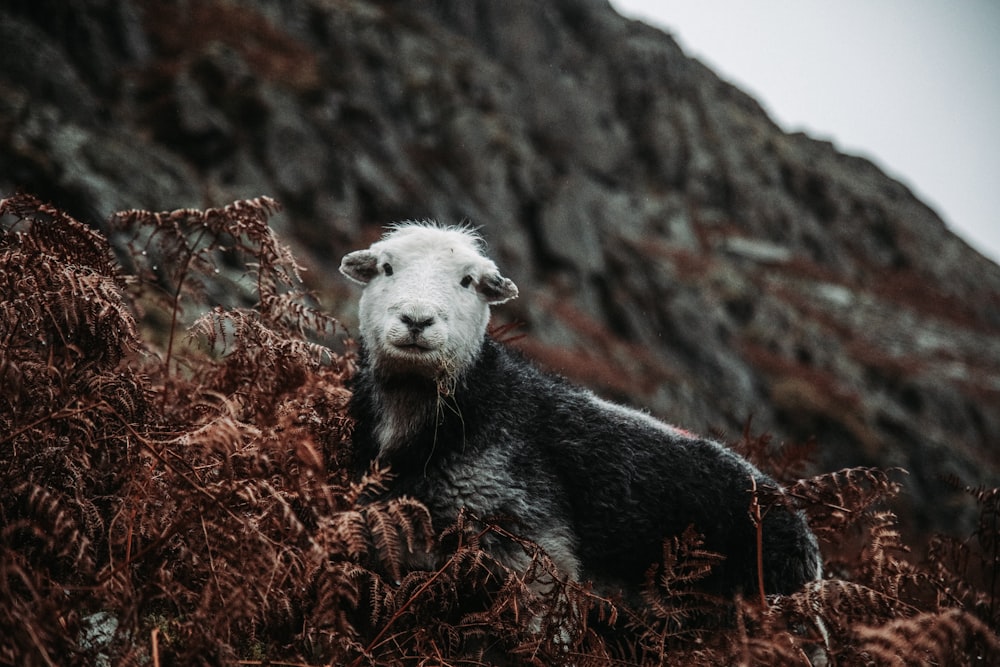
416	324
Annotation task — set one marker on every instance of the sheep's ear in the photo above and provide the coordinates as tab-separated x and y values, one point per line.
496	289
360	266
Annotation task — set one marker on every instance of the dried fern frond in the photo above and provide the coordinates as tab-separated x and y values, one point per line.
674	607
839	605
884	565
545	615
288	309
241	334
53	232
966	573
785	462
179	257
182	244
59	289
949	637
371	485
398	527
69	402
838	499
48	521
685	562
763	637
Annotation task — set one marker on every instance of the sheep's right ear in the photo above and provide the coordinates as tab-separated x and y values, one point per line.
360	266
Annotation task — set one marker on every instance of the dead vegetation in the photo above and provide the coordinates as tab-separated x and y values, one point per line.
173	491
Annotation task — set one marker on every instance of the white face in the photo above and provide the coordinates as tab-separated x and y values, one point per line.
426	301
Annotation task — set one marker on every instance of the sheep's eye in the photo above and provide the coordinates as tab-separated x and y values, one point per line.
466	281
387	269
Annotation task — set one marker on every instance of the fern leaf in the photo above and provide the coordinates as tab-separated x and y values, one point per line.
945	637
385	533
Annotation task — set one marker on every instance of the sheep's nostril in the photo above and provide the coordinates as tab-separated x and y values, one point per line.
416	324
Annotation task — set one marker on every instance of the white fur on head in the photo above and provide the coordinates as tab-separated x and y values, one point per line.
426	301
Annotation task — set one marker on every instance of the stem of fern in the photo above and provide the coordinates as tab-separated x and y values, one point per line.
175	305
758	525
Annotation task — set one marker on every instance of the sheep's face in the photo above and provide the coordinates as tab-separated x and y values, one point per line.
426	301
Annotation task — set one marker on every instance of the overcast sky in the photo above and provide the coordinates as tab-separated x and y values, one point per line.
913	85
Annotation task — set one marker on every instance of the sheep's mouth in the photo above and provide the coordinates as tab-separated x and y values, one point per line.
413	348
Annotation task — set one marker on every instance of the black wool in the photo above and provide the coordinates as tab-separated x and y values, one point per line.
599	486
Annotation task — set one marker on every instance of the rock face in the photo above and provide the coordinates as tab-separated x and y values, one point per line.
674	248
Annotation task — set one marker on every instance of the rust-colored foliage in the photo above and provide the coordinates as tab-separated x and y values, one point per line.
175	503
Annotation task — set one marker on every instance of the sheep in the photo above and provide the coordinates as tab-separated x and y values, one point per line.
464	422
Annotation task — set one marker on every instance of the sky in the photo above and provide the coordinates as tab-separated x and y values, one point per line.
913	85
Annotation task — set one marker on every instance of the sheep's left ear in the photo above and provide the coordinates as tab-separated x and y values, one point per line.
360	266
496	289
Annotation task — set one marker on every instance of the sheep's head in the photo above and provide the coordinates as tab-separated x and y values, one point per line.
427	297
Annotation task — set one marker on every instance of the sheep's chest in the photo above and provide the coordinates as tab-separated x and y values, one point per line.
479	483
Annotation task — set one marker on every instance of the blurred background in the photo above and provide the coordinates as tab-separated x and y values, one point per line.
676	246
909	83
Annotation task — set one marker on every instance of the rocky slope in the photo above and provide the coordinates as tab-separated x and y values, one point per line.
674	248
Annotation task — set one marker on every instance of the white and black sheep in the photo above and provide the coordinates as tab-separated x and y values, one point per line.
465	422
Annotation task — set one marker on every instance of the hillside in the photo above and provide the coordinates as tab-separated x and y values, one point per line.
176	494
173	435
674	248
